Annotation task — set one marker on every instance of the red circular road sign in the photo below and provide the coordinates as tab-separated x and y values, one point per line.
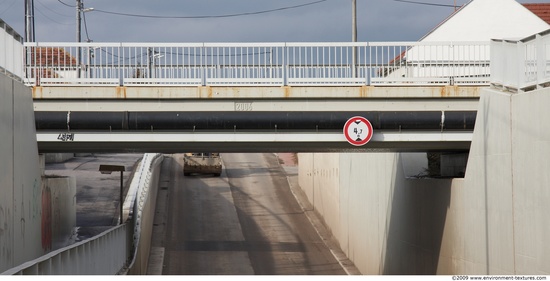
358	130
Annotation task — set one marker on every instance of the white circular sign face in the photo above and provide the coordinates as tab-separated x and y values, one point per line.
358	130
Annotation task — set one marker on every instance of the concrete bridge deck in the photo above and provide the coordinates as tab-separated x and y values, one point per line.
249	107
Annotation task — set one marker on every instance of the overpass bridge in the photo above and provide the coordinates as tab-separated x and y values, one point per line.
99	81
237	97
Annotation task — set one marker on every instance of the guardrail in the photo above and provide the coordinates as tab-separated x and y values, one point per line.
146	184
257	64
106	254
113	251
521	65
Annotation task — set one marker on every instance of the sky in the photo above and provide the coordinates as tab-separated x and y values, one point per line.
211	20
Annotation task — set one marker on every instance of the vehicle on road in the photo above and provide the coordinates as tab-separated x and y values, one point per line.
202	163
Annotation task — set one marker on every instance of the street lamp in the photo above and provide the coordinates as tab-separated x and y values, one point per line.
108	169
79	10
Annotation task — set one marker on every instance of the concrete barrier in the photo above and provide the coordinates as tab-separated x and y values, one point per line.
145	182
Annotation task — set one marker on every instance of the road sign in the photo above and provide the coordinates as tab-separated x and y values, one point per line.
358	130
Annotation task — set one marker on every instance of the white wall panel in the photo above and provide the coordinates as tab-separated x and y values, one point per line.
21	218
6	174
28	235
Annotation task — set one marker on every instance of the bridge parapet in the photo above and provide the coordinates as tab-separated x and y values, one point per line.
258	64
11	50
521	65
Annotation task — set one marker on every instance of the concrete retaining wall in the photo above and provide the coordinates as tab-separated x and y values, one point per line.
531	181
504	208
21	236
494	221
511	163
384	222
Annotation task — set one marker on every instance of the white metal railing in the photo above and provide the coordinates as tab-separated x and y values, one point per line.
11	52
104	254
521	65
257	64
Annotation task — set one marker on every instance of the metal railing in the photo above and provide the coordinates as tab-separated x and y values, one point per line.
521	65
257	64
106	253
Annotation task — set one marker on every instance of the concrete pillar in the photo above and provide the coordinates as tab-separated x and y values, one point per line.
59	208
453	164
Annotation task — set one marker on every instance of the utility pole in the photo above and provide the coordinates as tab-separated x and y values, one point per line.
354	20
79	10
29	21
29	34
78	37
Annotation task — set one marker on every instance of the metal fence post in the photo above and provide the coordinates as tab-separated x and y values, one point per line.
285	65
541	60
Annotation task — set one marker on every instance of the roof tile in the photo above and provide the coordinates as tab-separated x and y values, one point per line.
542	10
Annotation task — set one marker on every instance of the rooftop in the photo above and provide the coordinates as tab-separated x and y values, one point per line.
542	10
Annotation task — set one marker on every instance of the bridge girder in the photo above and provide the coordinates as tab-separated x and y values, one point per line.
178	142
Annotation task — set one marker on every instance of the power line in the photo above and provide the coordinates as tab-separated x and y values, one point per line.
51	10
9	7
66	4
425	3
205	16
46	16
188	17
2	3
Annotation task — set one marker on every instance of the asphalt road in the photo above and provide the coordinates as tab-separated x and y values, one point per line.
245	222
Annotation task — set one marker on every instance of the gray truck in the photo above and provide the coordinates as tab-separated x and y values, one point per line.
202	163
